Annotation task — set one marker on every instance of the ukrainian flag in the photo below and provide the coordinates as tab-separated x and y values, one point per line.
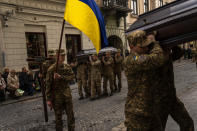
86	16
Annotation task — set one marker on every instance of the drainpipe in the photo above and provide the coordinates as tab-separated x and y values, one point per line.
2	52
125	28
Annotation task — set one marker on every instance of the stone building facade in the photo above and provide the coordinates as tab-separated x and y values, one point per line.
142	6
29	28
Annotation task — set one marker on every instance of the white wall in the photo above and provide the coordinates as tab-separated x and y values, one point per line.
1	46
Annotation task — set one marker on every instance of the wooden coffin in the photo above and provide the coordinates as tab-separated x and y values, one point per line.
175	23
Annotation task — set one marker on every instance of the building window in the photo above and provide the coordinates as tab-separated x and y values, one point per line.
73	46
160	3
36	46
146	5
134	7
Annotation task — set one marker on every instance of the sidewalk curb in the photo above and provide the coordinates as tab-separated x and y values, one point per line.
26	99
20	100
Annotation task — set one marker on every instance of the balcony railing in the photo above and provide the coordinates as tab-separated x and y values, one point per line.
115	3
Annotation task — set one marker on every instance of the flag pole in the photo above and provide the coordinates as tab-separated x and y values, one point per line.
57	62
58	57
60	44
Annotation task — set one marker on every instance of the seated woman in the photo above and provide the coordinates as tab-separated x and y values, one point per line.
12	83
2	88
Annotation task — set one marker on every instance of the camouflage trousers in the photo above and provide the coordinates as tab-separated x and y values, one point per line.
178	112
118	75
106	78
96	86
89	82
140	114
82	84
143	124
67	106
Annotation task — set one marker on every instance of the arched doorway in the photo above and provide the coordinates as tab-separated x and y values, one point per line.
115	41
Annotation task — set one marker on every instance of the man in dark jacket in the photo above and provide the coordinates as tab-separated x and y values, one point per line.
24	82
5	74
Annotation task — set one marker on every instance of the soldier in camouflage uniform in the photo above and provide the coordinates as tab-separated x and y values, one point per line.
82	80
118	69
195	57
140	68
95	76
59	95
47	64
167	103
108	74
89	76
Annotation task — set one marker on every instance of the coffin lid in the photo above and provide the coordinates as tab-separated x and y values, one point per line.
175	22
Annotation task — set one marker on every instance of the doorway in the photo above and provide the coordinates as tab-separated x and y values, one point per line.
115	41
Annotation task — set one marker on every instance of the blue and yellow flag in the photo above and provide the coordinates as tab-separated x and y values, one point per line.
86	16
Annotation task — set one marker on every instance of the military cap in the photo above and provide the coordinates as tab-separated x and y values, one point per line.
51	52
107	52
95	54
138	38
119	51
62	51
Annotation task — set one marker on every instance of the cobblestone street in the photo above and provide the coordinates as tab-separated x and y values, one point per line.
100	115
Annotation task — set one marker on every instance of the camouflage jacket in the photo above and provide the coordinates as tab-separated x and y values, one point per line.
108	66
118	64
62	84
95	68
166	92
81	70
46	66
140	72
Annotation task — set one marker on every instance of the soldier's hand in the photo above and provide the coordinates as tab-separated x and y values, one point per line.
56	76
49	103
